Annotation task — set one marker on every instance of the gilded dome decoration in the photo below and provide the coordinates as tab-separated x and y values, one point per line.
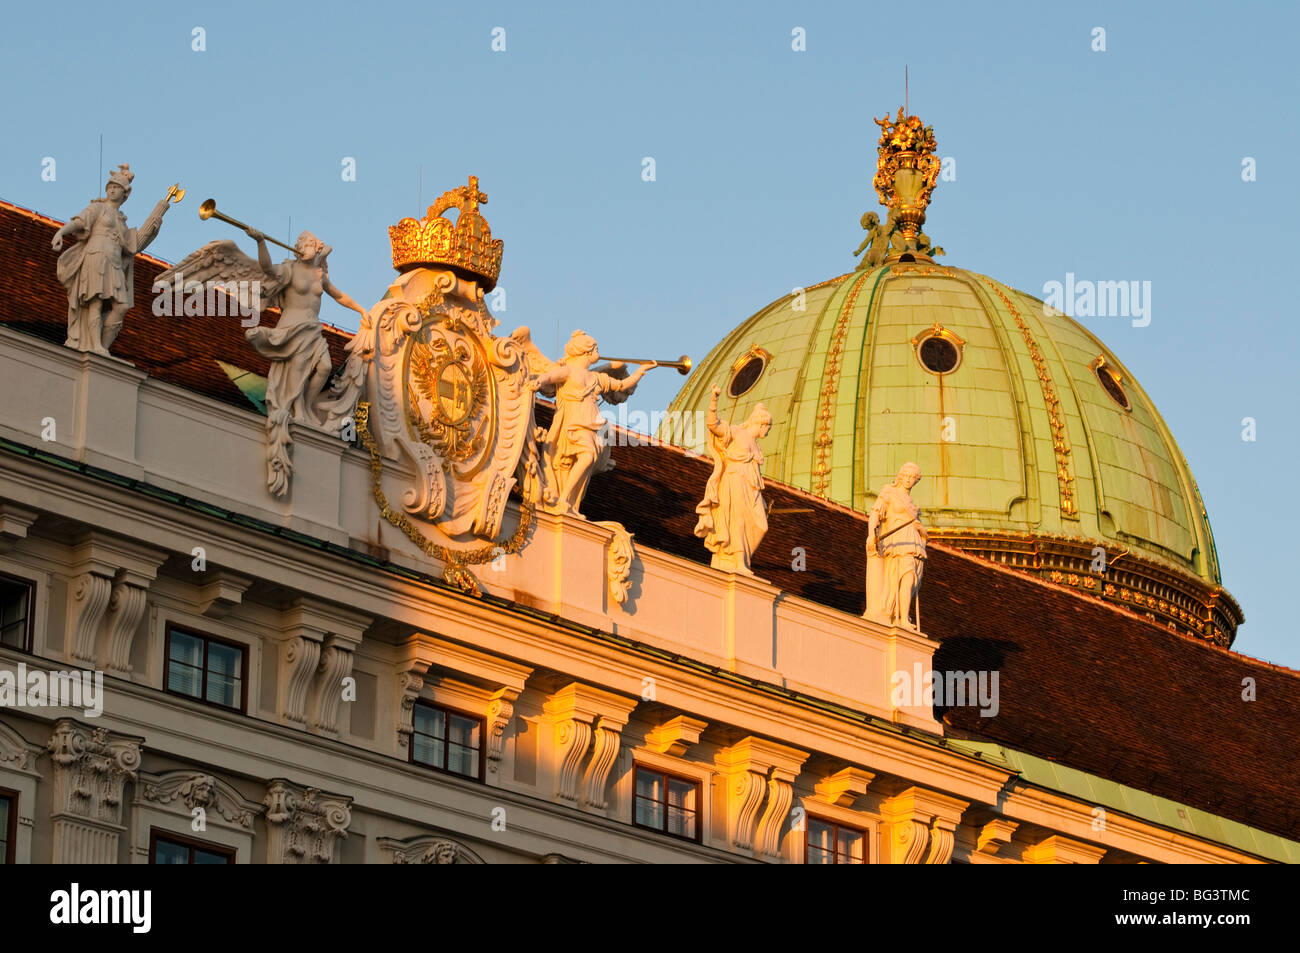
1040	449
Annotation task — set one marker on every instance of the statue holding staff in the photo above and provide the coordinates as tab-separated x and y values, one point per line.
99	271
895	550
733	517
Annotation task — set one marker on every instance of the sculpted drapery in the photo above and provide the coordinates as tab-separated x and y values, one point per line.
733	516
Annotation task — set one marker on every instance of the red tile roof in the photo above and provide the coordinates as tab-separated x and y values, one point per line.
1084	683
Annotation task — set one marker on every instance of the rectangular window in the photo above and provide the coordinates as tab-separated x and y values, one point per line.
205	668
447	740
8	825
829	843
666	803
167	848
16	613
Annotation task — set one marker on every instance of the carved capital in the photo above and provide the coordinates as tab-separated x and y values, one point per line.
304	825
91	768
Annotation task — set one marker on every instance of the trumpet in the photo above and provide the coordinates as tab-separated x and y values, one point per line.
683	363
209	210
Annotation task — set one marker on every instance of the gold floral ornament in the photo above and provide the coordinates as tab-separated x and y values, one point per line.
465	244
455	561
906	171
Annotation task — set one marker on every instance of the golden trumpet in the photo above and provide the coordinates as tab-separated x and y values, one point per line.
209	210
683	363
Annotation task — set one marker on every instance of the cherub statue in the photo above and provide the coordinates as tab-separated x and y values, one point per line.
733	517
99	272
575	447
925	248
876	241
895	550
300	359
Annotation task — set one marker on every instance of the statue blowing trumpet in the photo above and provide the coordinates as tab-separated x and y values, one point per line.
683	363
209	210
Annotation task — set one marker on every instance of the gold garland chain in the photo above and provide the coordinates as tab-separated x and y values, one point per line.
454	561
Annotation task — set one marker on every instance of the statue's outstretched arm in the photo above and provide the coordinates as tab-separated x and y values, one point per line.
341	298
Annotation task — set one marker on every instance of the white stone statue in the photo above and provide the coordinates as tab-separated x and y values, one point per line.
296	388
99	272
575	447
733	517
895	550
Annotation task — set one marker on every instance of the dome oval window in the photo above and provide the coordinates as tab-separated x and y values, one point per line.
1112	382
747	370
938	350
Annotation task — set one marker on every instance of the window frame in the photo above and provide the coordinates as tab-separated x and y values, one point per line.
11	832
446	745
697	838
206	639
180	840
836	827
29	627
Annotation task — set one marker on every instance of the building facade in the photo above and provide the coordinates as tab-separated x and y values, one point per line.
245	677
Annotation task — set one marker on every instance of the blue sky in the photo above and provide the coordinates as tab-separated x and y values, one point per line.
1123	164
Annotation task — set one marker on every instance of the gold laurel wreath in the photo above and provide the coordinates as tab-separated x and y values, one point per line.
454	561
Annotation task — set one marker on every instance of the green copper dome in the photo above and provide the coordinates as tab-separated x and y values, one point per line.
1037	446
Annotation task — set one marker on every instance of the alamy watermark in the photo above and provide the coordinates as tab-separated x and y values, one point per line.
927	688
36	688
1100	299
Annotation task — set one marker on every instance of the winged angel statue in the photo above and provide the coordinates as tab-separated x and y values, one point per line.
301	385
557	472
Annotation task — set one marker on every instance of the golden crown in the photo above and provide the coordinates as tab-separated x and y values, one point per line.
465	244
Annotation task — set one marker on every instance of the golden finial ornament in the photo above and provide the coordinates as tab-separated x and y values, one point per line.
465	244
906	171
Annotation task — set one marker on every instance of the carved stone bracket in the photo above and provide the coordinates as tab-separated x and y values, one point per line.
844	787
758	778
304	825
428	849
220	592
315	655
619	556
921	826
673	737
15	520
195	789
994	835
588	724
91	768
107	598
